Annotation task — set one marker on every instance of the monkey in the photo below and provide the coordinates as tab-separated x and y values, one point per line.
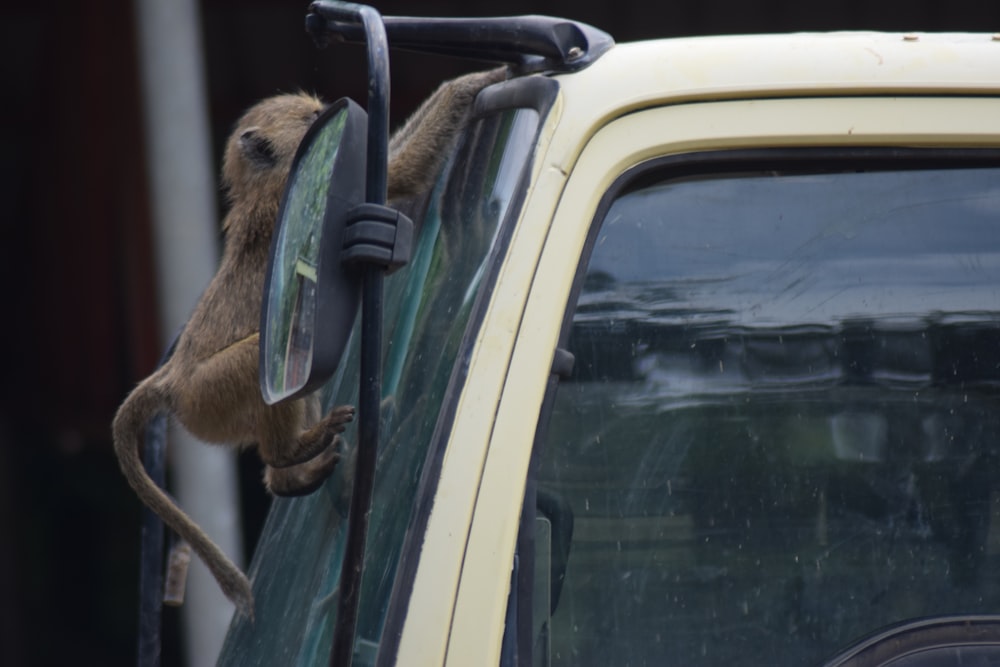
210	383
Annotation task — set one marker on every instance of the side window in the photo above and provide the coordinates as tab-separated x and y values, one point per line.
782	431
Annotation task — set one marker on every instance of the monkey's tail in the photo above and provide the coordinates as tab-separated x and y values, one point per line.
145	402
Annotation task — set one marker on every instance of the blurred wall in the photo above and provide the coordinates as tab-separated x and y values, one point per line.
80	315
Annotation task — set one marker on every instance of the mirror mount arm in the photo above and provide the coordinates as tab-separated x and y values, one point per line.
369	399
379	235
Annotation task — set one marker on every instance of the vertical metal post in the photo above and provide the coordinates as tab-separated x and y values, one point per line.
370	395
151	551
154	458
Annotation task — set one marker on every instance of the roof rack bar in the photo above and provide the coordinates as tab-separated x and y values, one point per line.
531	43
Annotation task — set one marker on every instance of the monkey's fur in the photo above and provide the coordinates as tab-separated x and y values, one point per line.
210	384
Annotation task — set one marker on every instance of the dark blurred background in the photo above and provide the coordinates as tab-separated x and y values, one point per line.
80	296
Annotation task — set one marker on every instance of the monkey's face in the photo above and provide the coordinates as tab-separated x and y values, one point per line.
260	151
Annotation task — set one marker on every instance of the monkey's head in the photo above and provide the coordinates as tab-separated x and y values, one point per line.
259	153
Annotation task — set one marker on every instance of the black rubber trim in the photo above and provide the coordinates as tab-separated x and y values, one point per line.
911	638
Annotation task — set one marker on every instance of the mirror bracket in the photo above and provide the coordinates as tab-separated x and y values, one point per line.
379	235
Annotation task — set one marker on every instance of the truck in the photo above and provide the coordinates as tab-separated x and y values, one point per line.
694	360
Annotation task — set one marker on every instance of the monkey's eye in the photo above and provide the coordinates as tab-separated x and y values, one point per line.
311	117
258	149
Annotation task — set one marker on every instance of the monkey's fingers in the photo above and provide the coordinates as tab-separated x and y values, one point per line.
339	416
302	479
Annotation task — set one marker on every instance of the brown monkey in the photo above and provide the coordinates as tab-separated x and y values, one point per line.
211	382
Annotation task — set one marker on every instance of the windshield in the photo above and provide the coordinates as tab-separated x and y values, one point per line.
783	428
428	308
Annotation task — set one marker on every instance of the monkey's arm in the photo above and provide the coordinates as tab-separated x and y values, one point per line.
417	150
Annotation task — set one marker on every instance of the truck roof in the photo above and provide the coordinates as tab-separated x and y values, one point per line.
638	74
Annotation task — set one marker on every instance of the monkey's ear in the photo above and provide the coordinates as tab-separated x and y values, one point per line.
257	148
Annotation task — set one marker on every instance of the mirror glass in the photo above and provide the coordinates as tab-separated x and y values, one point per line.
290	300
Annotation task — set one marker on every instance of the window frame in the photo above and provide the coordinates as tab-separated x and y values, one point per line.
809	159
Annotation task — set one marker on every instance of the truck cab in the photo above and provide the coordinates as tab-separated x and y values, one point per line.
696	361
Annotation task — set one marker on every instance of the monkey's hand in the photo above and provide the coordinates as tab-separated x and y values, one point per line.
319	456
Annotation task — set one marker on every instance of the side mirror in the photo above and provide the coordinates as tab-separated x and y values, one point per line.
307	288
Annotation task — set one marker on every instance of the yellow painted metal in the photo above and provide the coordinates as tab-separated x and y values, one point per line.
640	102
645	74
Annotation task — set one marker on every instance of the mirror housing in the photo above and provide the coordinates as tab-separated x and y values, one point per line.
307	288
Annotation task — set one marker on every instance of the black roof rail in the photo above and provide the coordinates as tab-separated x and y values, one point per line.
529	43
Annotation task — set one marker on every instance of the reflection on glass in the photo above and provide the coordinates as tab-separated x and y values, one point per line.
291	301
783	432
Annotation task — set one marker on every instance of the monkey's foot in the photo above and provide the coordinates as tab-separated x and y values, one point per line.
301	479
314	460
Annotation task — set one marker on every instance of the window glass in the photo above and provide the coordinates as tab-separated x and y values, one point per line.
427	309
783	428
431	313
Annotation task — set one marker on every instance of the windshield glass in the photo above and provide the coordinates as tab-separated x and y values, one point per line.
427	309
783	428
